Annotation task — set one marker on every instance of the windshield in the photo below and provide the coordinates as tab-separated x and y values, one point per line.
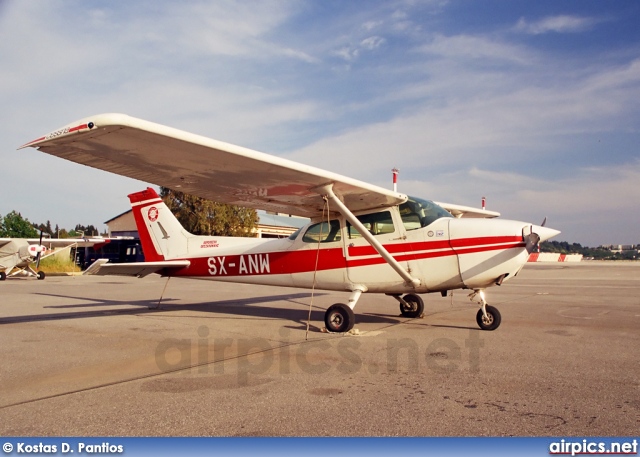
295	234
417	213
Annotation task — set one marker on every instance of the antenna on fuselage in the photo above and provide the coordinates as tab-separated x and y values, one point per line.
484	201
395	172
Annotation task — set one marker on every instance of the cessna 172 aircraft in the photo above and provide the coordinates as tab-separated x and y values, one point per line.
361	237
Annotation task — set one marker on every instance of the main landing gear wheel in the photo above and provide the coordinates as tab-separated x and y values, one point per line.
491	321
40	275
3	276
415	308
339	318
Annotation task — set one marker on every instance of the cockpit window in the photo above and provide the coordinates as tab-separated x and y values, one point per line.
323	232
377	223
417	213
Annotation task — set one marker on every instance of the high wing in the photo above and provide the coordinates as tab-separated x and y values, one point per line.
79	242
204	167
467	211
138	269
63	242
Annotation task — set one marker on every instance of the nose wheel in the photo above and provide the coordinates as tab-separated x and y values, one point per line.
490	320
488	317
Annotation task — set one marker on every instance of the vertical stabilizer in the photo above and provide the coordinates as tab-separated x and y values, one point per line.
161	235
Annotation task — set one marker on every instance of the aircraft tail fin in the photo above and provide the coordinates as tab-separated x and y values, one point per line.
161	235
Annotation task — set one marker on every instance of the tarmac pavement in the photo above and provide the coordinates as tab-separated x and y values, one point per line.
85	356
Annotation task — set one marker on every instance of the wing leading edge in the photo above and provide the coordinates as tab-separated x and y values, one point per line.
205	167
468	211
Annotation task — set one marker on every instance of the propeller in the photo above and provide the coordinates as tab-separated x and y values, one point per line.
36	251
533	239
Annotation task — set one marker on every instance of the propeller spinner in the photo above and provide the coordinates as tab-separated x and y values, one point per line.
534	234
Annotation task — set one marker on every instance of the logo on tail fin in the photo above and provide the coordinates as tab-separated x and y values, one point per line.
153	214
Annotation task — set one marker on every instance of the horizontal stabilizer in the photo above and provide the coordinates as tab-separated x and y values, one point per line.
101	267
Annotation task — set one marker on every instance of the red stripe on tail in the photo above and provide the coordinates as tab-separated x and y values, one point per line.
148	248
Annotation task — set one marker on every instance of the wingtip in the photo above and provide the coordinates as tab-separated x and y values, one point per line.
82	125
31	143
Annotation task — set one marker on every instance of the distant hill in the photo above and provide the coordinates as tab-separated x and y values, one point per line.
599	253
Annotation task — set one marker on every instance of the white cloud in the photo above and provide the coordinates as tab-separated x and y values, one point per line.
347	53
477	47
557	24
591	206
478	123
370	25
372	42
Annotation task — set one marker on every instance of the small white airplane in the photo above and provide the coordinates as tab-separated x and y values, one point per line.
18	254
361	237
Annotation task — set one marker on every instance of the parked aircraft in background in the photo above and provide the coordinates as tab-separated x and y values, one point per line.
17	255
361	239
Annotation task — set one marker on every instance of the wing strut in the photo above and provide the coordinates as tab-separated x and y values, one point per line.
393	263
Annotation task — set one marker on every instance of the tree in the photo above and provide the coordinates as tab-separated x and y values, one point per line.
45	228
87	230
204	217
15	226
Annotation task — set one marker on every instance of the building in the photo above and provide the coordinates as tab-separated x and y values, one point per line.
269	225
122	225
272	225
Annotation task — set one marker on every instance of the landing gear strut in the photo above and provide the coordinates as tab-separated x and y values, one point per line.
340	318
488	317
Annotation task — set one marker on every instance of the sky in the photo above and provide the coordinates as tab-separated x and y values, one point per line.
533	105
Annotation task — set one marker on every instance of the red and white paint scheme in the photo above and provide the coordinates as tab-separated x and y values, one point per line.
554	257
361	238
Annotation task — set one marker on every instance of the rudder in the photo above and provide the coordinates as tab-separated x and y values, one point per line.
161	235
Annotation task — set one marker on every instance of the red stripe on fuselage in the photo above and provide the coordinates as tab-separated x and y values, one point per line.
274	263
290	262
464	242
356	251
408	246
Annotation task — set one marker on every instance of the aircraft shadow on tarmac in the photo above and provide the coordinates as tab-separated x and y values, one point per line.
220	310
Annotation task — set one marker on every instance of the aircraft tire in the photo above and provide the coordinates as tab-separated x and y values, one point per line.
493	321
3	276
41	275
415	310
339	318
